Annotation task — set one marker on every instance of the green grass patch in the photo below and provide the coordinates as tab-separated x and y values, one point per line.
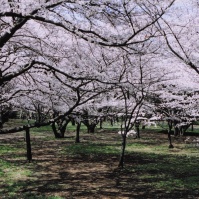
168	172
91	148
5	149
11	178
46	129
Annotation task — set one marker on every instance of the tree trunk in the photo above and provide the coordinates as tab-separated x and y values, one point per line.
169	134
28	145
184	129
138	131
111	122
63	128
137	128
91	128
77	133
57	135
101	121
143	126
121	162
176	131
73	122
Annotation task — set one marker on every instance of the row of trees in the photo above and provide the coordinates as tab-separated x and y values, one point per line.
63	59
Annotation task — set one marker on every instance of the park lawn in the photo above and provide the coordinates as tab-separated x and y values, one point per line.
62	168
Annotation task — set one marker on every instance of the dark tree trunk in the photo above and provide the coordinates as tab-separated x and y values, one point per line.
63	130
138	131
77	140
91	128
101	121
28	145
111	122
73	122
137	128
57	135
184	129
192	127
60	131
121	162
176	131
169	134
63	126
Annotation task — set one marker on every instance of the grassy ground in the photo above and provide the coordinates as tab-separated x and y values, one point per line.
62	169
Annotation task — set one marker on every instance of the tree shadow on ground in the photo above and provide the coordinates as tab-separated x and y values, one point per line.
54	173
95	177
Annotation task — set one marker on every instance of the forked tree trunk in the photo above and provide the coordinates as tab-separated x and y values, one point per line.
63	127
77	140
60	131
28	145
57	135
63	130
91	128
121	162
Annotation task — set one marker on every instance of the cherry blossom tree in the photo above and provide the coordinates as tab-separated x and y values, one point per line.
177	101
45	47
180	32
138	76
24	48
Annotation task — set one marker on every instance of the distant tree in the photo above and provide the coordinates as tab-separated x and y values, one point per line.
178	105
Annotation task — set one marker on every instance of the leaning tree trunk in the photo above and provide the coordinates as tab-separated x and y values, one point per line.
121	162
28	145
